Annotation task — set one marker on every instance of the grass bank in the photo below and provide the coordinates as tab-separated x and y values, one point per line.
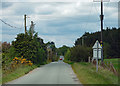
20	71
86	72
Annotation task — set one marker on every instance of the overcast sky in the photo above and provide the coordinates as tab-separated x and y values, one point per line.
60	21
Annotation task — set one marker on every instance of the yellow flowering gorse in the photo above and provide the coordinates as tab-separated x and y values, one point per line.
22	61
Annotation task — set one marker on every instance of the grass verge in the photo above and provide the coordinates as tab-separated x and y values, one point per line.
22	70
86	72
69	62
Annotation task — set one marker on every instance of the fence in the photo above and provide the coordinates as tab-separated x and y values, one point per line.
107	65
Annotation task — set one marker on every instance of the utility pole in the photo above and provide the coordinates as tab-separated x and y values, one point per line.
101	18
25	23
83	38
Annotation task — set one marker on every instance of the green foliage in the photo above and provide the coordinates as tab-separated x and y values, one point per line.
32	48
5	60
111	41
55	58
79	53
67	55
86	72
41	56
51	51
22	70
11	53
106	49
62	50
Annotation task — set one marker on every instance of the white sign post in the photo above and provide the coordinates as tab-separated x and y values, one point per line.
97	52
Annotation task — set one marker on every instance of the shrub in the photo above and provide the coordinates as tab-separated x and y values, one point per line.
79	53
67	55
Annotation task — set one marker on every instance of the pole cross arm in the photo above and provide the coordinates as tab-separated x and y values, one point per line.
101	17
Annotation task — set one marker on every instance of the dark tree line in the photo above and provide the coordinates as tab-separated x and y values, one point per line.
62	50
111	41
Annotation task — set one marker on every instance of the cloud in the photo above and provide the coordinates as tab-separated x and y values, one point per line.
8	38
61	22
60	40
54	0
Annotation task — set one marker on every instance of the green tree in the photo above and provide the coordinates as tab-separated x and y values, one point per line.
79	53
62	50
29	47
67	55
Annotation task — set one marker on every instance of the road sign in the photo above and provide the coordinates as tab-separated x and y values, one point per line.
97	50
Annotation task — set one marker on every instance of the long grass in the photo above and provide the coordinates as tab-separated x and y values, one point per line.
86	72
22	70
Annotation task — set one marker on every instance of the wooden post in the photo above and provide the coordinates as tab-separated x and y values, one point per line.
89	59
25	23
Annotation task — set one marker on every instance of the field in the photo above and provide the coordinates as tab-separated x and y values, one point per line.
115	62
86	72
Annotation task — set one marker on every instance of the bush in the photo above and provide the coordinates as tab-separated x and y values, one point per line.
30	48
79	53
67	55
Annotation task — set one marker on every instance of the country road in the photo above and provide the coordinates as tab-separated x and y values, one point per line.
53	73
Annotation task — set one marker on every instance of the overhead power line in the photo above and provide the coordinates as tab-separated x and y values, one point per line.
9	24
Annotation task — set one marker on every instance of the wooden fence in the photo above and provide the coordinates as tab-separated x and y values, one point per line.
107	65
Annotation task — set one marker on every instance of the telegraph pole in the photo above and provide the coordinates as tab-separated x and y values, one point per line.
83	38
25	23
101	18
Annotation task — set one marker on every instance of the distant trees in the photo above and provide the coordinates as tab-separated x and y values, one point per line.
78	53
67	56
83	45
51	51
111	41
62	50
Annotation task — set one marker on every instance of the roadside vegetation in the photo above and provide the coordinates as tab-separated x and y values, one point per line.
26	52
77	57
86	72
111	41
16	73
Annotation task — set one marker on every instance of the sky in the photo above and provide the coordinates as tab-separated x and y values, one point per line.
60	21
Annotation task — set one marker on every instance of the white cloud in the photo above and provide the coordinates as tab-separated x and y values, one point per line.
7	37
53	0
60	40
59	22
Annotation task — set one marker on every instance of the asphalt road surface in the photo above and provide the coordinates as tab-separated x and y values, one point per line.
53	73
